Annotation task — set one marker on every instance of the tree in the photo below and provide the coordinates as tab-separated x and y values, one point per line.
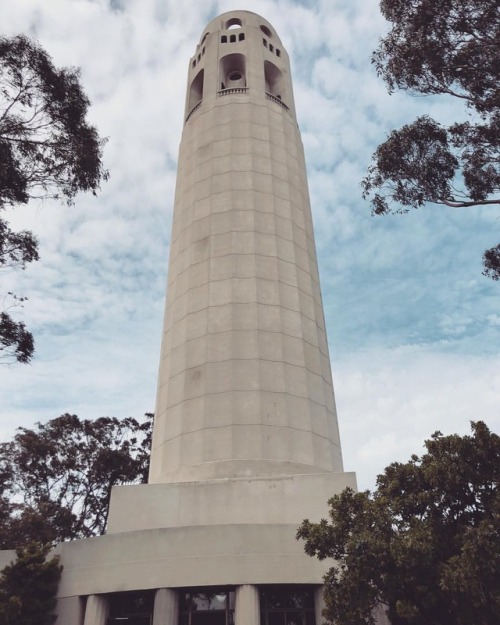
28	587
425	544
57	478
47	150
448	48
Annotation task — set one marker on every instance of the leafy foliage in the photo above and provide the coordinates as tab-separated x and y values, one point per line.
47	150
491	261
425	544
47	147
57	478
447	47
15	340
28	587
439	47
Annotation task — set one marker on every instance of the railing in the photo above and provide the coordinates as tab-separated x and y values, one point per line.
195	108
243	90
272	97
232	90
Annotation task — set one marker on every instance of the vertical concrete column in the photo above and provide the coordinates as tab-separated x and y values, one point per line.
96	611
166	610
247	605
319	605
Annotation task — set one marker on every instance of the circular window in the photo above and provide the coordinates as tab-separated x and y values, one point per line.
235	76
266	31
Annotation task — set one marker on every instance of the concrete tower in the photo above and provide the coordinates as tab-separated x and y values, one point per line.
245	440
245	387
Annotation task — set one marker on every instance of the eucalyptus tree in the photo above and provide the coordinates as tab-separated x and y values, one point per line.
425	545
48	149
446	48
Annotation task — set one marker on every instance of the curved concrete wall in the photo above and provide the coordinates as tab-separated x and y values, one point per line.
187	557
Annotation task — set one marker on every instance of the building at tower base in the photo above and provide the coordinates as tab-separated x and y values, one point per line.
245	443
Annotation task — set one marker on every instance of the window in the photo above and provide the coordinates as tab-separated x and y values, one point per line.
199	57
203	51
275	83
206	606
194	62
234	22
232	38
287	605
278	52
131	608
266	31
232	71
271	48
223	39
241	37
196	90
264	41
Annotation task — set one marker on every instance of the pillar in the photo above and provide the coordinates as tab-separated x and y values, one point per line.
166	610
96	611
247	606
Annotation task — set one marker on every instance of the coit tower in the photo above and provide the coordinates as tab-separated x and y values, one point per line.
245	387
245	442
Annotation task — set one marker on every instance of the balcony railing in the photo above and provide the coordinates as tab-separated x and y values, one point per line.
272	97
195	108
232	90
241	90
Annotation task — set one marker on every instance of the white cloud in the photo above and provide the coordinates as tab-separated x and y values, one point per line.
494	320
390	401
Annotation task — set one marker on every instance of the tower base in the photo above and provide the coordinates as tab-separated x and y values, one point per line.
270	500
216	533
237	533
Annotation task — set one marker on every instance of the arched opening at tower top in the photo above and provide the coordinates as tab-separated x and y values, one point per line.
275	82
196	90
234	22
232	71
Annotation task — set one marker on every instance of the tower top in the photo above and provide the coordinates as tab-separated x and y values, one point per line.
234	20
239	53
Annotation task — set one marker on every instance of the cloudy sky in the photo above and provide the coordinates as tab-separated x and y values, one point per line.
413	326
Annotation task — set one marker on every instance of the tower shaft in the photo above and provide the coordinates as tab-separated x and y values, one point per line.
245	386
